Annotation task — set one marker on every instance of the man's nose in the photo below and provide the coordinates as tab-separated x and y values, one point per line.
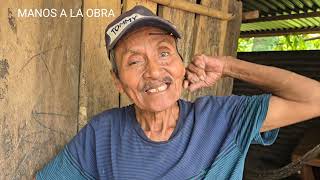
153	70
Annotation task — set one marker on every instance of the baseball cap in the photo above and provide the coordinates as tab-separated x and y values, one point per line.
137	17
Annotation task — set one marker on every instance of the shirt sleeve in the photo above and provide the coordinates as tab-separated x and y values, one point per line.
75	161
248	117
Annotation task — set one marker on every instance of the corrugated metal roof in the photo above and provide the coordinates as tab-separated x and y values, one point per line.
281	17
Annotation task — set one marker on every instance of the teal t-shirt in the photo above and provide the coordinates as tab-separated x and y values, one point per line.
210	141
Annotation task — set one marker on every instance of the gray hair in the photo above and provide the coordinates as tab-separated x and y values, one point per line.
112	57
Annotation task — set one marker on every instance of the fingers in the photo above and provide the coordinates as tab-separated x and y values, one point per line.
197	67
200	72
193	81
194	86
195	74
199	61
203	71
192	77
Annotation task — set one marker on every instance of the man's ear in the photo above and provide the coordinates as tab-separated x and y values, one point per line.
116	81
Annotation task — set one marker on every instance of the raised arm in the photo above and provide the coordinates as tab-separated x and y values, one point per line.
295	98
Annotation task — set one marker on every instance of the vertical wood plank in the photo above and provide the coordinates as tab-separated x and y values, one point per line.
127	5
224	24
233	28
39	75
222	87
231	43
97	91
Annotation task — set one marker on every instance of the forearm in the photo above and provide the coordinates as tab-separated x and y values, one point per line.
295	98
279	82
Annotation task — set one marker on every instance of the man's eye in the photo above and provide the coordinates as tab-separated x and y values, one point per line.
133	62
164	54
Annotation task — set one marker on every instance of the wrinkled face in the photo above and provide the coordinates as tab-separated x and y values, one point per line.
150	69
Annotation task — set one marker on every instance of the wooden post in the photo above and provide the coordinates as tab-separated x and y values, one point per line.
97	92
223	27
250	15
39	75
195	8
231	42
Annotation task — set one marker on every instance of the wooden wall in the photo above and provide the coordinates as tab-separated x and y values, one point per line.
39	67
54	72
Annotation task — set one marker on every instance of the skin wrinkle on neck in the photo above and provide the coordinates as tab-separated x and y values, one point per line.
158	125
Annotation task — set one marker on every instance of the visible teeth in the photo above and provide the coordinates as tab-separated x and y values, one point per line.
158	89
152	90
162	88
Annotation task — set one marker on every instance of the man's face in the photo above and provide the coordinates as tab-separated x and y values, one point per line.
150	69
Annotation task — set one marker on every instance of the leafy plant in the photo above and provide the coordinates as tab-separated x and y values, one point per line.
280	43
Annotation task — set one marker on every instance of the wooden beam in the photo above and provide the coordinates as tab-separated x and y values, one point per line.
97	93
195	8
223	27
250	15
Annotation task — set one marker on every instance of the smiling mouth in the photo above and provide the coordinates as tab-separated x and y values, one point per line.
157	89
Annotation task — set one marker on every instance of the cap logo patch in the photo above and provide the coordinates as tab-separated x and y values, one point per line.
116	29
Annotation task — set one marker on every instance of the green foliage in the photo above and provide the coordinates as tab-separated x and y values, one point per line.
279	43
245	44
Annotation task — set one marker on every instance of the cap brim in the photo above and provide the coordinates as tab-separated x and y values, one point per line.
147	21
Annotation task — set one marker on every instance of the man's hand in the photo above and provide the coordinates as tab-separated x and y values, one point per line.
203	71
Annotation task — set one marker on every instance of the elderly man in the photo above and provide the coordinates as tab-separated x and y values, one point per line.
163	137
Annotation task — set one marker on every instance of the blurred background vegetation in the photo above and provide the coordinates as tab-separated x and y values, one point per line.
280	43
